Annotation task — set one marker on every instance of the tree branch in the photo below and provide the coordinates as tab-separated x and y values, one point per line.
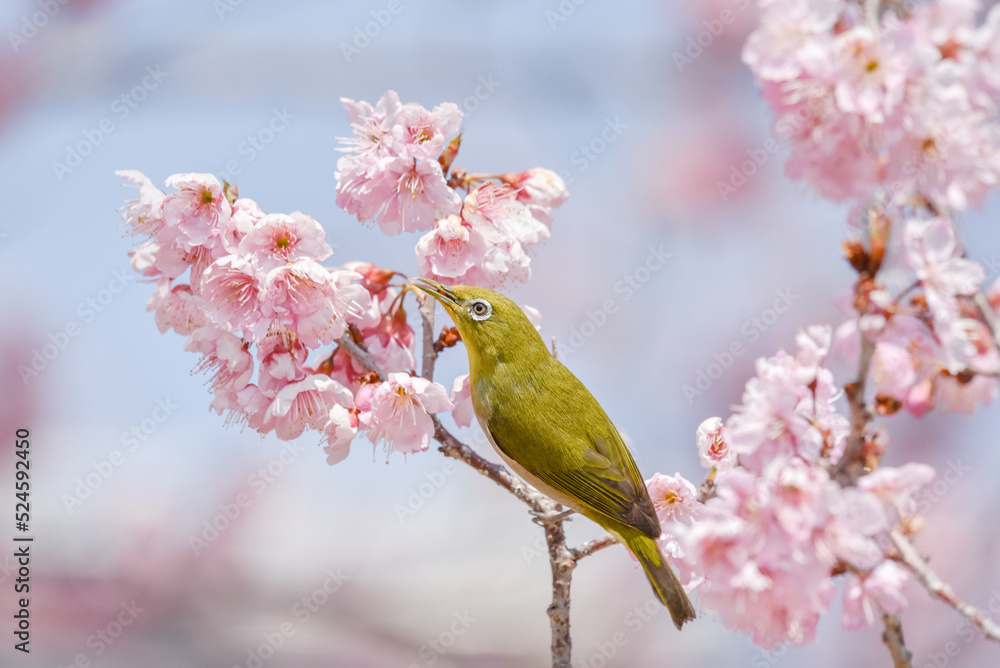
563	563
501	475
893	639
592	546
939	589
852	462
362	356
427	305
562	559
871	14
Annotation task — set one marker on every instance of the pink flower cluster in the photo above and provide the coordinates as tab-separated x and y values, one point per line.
395	173
764	548
392	175
898	112
908	102
248	290
935	348
902	108
257	302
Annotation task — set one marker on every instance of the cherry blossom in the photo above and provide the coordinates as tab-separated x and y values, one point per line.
396	412
896	488
892	370
198	211
712	446
177	308
904	102
305	301
964	395
541	190
246	214
788	408
674	498
412	194
759	577
920	398
895	110
143	214
372	126
245	407
390	340
869	596
305	403
422	134
269	321
461	397
233	288
496	207
933	252
143	259
452	252
278	239
391	176
282	362
869	74
170	258
224	355
340	429
793	36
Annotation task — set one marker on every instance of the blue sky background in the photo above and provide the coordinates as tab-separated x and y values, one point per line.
469	550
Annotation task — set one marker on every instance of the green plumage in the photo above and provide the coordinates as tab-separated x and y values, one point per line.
550	429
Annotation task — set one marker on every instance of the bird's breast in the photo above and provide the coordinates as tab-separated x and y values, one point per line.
527	476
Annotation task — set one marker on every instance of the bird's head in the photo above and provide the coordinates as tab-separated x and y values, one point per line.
491	325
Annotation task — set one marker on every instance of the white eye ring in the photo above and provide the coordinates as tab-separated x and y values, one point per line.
480	309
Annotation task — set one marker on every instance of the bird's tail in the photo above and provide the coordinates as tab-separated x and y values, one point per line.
665	583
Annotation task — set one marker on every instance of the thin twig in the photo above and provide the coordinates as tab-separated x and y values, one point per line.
988	315
851	464
562	562
362	356
893	639
427	305
707	489
940	589
592	546
454	448
871	14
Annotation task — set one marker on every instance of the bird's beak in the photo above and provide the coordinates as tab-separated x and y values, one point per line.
440	292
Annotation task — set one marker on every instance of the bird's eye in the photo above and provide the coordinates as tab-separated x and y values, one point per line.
480	309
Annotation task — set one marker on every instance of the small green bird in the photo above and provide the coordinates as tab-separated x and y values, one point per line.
552	432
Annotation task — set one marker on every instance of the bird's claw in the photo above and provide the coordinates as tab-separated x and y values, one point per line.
547	518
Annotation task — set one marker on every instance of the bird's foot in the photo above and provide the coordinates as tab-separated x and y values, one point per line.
547	518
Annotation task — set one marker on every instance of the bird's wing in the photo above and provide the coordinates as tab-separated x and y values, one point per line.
613	485
596	470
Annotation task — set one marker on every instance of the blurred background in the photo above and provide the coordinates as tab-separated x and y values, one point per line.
163	538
